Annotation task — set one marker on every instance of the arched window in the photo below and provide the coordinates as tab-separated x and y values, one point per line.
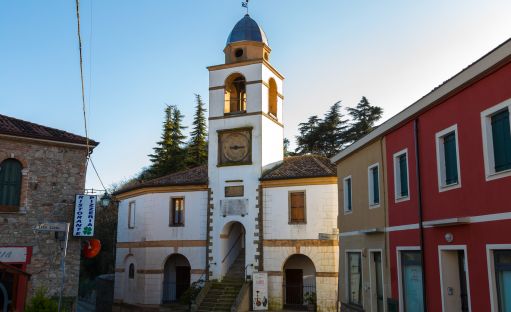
10	184
235	94
131	271
272	97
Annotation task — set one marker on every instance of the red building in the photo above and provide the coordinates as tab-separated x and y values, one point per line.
448	175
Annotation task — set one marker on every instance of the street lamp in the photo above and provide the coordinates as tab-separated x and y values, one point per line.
104	201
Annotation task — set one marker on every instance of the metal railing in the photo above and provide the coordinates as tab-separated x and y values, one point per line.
298	294
232	247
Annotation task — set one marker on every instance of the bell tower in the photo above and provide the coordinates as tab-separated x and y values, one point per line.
246	136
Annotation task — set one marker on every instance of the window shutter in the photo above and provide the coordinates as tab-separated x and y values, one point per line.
451	161
501	135
376	186
10	183
298	207
403	175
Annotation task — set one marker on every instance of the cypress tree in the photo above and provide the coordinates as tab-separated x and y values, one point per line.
197	151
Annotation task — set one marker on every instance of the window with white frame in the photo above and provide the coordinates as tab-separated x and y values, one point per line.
401	185
373	179
496	125
131	215
448	160
347	191
499	269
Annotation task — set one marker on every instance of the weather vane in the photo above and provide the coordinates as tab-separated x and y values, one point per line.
245	4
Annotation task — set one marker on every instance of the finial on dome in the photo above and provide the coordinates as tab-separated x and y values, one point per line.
245	5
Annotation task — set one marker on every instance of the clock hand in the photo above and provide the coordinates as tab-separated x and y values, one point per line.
236	147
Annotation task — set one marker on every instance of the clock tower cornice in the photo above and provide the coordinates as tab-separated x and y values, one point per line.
245	63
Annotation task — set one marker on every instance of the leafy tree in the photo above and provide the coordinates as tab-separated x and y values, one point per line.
169	155
286	147
197	150
364	116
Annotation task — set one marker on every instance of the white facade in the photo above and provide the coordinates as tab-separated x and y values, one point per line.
255	221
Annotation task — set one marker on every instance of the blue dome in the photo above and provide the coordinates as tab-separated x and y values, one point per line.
247	30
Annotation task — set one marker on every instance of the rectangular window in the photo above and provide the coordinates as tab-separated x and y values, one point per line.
496	132
502	264
347	191
411	280
354	278
177	211
501	136
131	215
448	164
401	175
297	207
374	185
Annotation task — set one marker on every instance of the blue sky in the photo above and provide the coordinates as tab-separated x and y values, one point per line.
140	55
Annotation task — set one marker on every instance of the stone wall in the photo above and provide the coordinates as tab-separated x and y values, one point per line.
53	174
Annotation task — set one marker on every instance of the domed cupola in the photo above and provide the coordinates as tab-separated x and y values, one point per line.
247	41
247	30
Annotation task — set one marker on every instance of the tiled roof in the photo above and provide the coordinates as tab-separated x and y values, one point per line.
193	176
21	128
306	166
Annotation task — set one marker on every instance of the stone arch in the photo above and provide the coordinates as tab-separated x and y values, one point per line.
298	281
232	245
176	277
235	94
272	97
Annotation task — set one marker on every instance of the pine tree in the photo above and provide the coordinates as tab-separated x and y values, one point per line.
364	116
309	138
197	151
168	155
332	131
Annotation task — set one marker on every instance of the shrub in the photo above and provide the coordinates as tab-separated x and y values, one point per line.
41	303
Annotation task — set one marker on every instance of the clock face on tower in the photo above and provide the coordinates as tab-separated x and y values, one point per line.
235	147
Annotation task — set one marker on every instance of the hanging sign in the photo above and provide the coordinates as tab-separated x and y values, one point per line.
51	227
260	291
85	212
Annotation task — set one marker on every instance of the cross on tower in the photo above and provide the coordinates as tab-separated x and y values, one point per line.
245	4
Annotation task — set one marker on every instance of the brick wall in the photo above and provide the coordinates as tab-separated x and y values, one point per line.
52	175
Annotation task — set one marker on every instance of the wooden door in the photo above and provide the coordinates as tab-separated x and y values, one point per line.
182	280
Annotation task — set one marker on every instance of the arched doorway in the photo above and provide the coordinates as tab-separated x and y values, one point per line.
233	249
176	278
299	281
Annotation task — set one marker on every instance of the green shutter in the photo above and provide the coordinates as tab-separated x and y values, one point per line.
376	186
348	190
450	159
501	140
10	182
403	175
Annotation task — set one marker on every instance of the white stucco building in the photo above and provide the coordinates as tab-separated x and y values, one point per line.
248	203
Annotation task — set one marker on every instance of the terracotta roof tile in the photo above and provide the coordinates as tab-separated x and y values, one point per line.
306	166
193	176
20	128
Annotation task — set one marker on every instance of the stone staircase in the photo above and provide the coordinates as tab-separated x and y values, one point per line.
221	295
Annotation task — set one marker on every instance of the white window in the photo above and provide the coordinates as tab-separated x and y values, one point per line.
499	276
496	125
347	191
131	215
373	181
401	177
448	159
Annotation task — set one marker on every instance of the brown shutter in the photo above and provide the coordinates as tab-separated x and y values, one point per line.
298	207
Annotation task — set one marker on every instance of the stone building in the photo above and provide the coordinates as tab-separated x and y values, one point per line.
249	210
41	171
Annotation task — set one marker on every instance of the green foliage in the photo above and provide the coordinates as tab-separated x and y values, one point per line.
364	117
191	293
329	135
41	303
310	297
197	150
169	154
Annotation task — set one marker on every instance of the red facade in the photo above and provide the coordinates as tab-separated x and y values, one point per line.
468	219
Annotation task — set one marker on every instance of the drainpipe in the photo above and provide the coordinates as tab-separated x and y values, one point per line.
419	206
